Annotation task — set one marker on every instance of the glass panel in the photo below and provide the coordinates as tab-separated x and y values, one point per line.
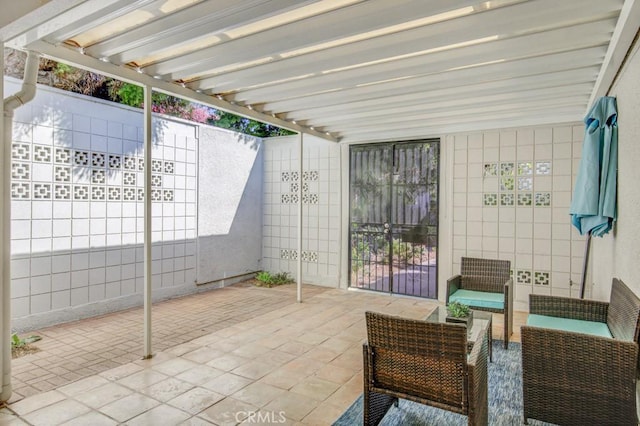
525	168
506	169
490	199
543	167
525	183
491	169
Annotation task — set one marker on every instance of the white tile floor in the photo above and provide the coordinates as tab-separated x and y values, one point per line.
298	364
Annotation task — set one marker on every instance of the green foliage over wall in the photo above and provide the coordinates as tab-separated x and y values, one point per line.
65	77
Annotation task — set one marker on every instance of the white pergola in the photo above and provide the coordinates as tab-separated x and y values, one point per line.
347	70
350	71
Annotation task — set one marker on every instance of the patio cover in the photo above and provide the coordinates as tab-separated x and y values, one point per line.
348	70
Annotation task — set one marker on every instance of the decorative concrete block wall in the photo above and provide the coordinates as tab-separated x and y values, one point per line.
511	195
77	207
320	183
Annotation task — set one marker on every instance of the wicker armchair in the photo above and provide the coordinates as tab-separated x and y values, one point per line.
485	278
572	378
424	362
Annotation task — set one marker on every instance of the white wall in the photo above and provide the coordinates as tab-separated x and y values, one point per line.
618	254
77	227
508	196
77	211
321	208
517	215
505	194
229	205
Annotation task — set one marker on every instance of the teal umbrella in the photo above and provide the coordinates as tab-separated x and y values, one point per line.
593	207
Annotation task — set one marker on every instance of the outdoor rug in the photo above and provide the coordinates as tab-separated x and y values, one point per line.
505	399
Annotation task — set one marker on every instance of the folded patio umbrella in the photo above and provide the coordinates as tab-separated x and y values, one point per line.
593	207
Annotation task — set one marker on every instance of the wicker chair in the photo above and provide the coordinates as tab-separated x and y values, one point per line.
485	277
572	378
424	362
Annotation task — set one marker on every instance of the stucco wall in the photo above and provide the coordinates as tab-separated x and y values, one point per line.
229	205
618	254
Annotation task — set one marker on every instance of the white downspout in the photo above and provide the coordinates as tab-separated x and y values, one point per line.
26	93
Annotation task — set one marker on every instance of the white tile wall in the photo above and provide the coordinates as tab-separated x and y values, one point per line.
321	209
511	195
76	220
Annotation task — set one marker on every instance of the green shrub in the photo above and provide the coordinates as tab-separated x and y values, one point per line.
17	342
131	94
360	253
267	279
263	276
403	252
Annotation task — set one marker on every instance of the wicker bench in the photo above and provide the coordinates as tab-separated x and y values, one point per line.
572	372
486	285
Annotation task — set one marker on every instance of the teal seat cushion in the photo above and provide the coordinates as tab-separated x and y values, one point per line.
479	299
566	324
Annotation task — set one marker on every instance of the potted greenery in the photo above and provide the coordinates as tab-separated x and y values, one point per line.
459	313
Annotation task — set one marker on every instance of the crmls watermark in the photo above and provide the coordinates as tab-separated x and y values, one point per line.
261	417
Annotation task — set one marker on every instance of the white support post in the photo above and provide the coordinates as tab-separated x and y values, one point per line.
148	135
5	286
5	235
299	262
344	216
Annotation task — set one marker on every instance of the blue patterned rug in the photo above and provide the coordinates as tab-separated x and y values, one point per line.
505	399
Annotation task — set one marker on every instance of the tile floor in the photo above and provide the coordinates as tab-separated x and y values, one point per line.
238	355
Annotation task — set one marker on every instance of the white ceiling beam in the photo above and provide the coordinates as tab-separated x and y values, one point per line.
360	18
516	107
92	14
210	18
454	96
452	119
481	27
311	67
28	21
313	63
312	86
621	40
427	131
511	99
74	58
450	94
14	10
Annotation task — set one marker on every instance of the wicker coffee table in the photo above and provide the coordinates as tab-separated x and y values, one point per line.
481	320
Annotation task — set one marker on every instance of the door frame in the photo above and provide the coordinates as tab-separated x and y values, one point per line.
348	226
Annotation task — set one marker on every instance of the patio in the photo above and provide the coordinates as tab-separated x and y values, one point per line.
502	87
232	350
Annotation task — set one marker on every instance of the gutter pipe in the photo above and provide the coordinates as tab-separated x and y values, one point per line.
26	94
